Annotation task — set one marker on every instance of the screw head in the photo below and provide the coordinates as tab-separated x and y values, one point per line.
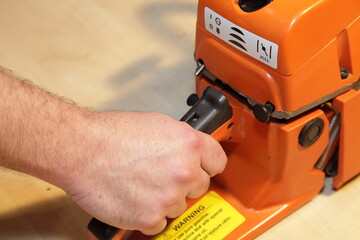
344	73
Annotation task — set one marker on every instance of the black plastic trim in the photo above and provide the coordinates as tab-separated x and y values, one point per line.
102	230
253	5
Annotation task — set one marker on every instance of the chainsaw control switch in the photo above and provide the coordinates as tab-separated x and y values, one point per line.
311	132
263	112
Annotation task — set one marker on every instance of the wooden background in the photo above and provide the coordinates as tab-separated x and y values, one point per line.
123	55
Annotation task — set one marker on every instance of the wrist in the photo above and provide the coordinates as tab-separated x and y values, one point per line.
80	147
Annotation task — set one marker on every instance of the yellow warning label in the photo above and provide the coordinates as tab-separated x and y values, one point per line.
211	218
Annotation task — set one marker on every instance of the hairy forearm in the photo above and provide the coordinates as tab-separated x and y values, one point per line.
40	134
129	169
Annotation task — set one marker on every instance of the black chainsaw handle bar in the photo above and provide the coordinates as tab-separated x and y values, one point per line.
207	114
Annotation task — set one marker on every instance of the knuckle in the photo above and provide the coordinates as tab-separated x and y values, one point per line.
150	226
201	187
183	174
222	162
204	185
170	199
206	181
149	222
191	139
218	166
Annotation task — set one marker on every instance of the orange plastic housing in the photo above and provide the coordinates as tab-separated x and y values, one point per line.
349	164
315	37
269	174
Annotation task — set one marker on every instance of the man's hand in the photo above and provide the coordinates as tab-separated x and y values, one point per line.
144	167
131	170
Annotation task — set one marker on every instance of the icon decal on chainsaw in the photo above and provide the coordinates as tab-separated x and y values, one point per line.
243	40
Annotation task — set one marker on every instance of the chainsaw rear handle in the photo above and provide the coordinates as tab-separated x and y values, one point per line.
207	114
210	112
101	230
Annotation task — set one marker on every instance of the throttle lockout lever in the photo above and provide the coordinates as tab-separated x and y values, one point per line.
207	114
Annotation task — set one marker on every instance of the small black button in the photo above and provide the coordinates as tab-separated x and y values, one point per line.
263	112
311	132
192	99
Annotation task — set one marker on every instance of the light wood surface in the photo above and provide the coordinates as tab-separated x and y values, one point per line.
124	55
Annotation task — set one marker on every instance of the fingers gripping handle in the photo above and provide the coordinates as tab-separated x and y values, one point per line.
210	112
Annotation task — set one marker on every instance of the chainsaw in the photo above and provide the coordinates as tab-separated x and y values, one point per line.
277	85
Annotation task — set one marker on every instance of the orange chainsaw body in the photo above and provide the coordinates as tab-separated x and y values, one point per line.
269	173
315	38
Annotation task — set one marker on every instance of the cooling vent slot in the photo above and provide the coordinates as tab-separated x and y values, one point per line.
238	40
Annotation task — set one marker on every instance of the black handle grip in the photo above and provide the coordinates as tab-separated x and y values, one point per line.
102	230
210	112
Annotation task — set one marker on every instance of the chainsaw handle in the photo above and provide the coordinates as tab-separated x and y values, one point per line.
102	231
209	112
